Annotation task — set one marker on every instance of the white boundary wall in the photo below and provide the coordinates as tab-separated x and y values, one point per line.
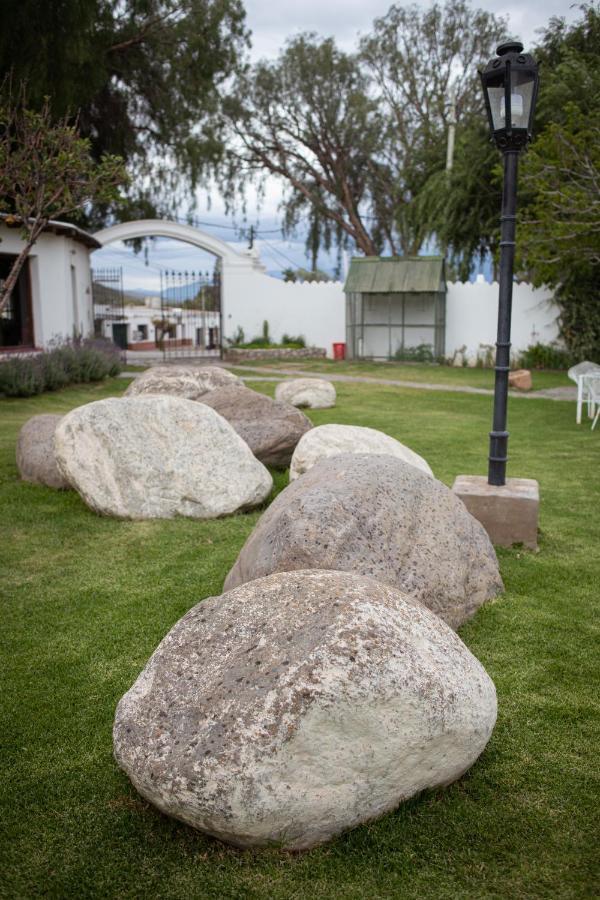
315	310
318	311
472	316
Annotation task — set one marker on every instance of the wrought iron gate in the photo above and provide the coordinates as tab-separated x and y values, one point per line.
190	314
108	298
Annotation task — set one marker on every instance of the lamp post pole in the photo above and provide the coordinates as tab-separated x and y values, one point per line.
507	508
499	435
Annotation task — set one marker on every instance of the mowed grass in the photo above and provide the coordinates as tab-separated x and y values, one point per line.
87	599
398	371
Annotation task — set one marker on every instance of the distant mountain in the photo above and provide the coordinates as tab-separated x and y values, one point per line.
180	293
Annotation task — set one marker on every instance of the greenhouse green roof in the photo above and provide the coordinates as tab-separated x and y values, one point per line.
398	275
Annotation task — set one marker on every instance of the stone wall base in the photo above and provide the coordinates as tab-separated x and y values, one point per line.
236	354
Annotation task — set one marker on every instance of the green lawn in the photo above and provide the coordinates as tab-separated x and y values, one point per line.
421	372
86	600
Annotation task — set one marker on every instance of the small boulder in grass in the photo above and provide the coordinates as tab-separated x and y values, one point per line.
301	705
157	457
188	382
520	379
325	441
379	516
36	457
307	393
270	427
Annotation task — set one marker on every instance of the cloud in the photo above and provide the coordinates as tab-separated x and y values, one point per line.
271	23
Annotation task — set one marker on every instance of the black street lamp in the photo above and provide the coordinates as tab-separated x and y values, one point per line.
510	84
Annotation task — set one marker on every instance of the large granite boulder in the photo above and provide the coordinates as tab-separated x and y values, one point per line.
378	516
158	457
301	705
270	428
36	459
307	393
333	440
189	382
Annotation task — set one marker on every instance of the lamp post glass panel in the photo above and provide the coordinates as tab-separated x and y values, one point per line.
510	84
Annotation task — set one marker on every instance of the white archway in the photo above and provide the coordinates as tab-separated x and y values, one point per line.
189	234
242	274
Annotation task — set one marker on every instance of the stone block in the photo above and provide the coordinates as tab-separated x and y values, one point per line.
509	513
520	379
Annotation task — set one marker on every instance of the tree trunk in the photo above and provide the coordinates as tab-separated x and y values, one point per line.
9	283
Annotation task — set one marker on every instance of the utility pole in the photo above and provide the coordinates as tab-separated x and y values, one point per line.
451	131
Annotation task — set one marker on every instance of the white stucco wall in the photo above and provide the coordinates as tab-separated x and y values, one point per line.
472	311
61	292
318	311
315	310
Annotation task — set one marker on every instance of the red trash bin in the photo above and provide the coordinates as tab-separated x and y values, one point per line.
339	351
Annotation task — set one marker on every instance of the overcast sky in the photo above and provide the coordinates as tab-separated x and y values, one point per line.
271	22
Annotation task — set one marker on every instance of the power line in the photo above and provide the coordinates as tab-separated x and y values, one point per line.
281	253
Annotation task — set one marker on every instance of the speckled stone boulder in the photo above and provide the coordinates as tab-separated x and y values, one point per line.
379	516
189	382
36	459
299	706
307	393
333	440
157	457
270	428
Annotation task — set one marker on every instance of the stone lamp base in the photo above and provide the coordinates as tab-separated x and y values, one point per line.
508	513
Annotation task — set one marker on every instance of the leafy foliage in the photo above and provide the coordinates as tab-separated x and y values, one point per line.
560	232
142	75
546	356
46	171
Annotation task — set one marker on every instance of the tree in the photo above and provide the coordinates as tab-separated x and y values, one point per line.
46	171
463	209
354	136
142	77
560	236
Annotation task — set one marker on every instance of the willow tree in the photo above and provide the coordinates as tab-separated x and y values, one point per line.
353	137
141	76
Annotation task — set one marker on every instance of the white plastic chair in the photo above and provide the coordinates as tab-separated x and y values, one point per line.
592	387
578	374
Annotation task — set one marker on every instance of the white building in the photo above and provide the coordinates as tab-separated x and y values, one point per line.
53	295
149	325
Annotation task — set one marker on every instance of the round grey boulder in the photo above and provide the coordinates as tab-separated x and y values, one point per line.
300	705
188	382
333	440
157	457
36	459
378	516
307	393
270	428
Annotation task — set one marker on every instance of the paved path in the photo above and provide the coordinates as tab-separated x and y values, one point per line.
559	393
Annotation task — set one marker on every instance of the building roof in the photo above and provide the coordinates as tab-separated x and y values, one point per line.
395	274
63	228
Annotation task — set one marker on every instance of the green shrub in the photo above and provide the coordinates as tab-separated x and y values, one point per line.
297	342
65	363
420	353
21	377
546	356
